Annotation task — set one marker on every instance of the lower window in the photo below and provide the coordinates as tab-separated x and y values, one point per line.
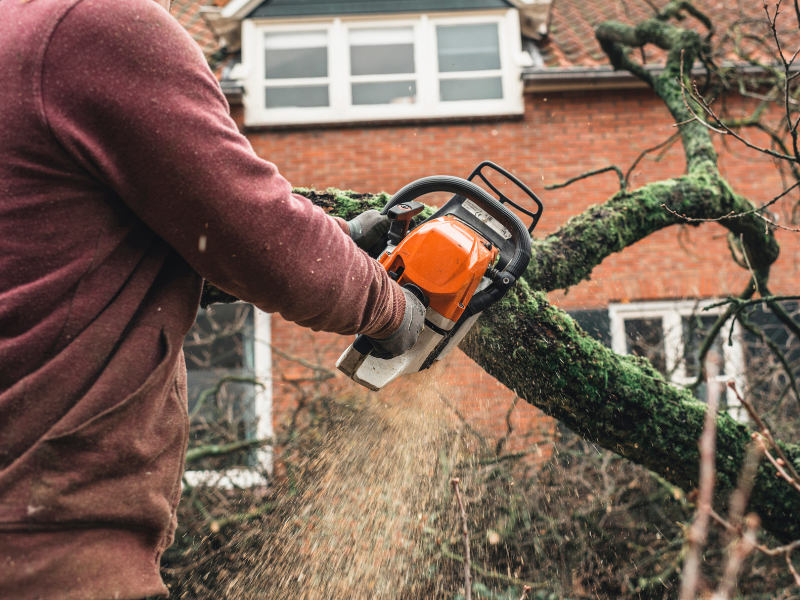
670	335
228	379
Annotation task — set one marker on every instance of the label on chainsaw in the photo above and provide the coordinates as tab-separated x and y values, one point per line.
487	218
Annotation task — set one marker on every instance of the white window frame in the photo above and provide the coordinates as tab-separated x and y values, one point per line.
427	105
243	477
671	314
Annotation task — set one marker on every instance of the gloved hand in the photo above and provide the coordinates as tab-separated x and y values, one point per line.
367	228
406	336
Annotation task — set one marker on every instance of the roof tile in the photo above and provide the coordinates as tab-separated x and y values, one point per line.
571	41
187	12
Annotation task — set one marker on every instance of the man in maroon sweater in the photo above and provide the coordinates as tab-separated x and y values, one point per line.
123	183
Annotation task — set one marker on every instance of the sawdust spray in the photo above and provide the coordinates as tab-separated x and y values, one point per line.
362	527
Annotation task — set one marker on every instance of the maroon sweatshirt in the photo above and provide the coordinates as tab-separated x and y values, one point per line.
123	181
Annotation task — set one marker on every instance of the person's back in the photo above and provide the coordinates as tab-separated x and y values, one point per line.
121	177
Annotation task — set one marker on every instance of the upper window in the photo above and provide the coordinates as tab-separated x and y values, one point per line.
360	70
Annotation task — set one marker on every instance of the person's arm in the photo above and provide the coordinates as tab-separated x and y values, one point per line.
128	94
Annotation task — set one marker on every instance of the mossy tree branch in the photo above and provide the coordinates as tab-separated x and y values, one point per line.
619	402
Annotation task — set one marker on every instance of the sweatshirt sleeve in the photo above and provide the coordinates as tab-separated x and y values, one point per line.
129	96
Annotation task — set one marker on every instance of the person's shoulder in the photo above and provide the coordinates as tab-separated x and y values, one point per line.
111	10
126	15
141	28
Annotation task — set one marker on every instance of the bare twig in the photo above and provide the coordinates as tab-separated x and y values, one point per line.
776	351
725	129
786	79
792	570
588	174
464	421
774	303
465	530
743	303
764	432
697	533
199	452
213	391
777	551
741	549
493	574
301	361
733	215
779	464
509	428
671	139
695	116
741	495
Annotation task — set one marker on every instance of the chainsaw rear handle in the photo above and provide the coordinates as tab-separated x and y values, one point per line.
455	185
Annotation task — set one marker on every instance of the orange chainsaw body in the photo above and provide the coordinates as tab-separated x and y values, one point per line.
445	259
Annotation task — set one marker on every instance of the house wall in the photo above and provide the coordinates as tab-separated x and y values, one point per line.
560	135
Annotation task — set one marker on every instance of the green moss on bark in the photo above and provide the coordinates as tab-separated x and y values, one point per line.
568	256
619	402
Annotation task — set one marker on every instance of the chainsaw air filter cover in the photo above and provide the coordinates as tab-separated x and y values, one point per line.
464	258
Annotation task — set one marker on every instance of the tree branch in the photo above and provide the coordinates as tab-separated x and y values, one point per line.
588	174
213	391
619	402
195	454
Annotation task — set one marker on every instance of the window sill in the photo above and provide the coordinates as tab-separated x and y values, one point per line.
382	123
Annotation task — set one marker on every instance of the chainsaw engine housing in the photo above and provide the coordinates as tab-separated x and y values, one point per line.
459	261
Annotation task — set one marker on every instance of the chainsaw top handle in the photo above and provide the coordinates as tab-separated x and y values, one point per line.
445	183
535	216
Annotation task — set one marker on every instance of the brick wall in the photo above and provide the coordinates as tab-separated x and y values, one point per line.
561	135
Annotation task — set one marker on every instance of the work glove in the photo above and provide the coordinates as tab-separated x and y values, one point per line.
368	228
406	336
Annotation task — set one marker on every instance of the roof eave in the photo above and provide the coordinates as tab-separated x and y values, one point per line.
562	79
578	78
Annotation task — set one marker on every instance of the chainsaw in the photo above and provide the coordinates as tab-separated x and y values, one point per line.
458	262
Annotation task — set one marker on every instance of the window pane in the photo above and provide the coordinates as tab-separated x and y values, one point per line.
292	55
221	344
468	47
381	51
303	96
695	329
489	88
645	338
390	92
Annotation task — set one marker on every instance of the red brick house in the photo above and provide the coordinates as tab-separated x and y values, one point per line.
369	95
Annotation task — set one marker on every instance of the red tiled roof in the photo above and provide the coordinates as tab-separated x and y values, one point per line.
187	12
571	41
